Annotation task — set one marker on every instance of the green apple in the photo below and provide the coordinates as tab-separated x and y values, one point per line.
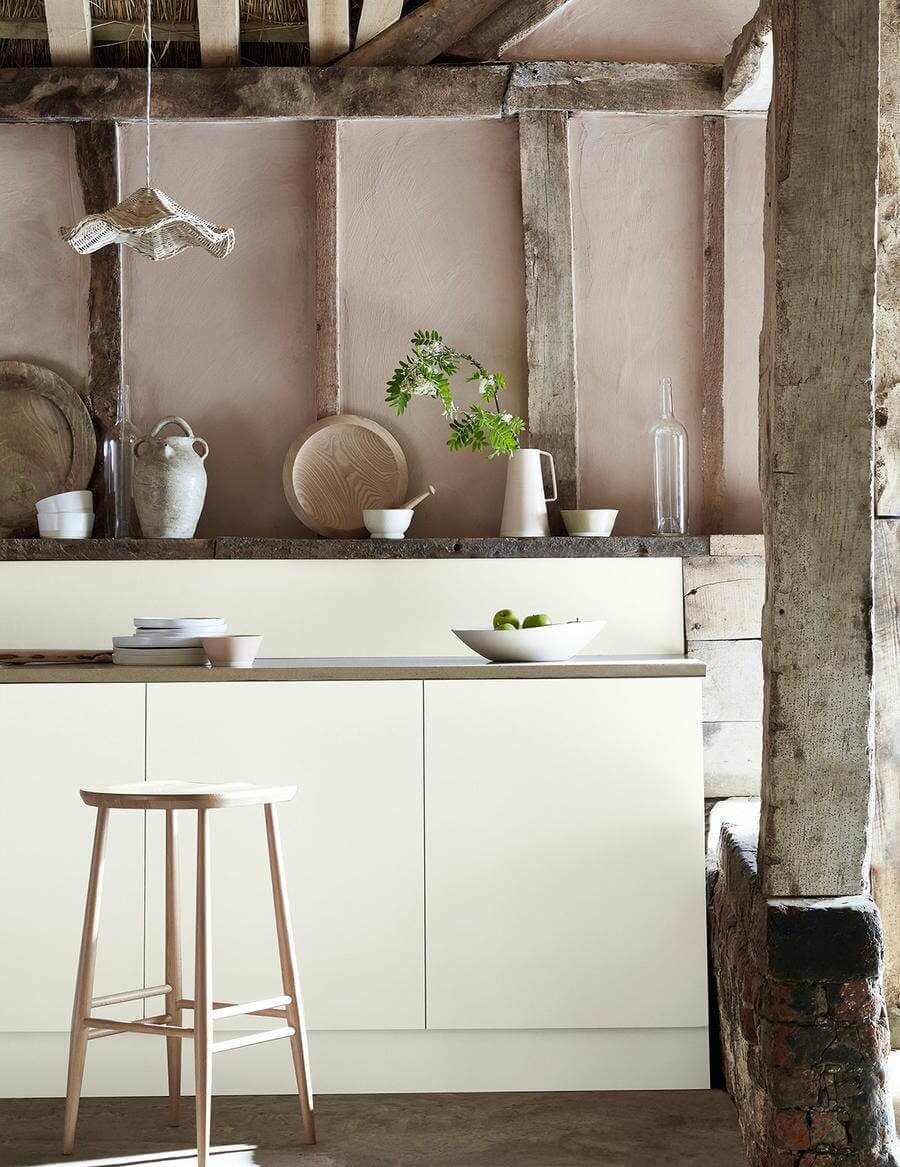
507	628
540	620
505	618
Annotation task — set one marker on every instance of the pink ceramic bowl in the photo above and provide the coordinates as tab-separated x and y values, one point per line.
233	652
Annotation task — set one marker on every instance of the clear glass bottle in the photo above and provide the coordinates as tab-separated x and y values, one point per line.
118	466
670	465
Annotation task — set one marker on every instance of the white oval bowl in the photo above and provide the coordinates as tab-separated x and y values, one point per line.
594	523
71	500
388	523
555	642
233	652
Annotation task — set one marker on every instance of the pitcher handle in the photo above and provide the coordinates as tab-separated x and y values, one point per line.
179	421
551	497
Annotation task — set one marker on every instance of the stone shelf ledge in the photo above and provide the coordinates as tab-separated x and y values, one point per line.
246	547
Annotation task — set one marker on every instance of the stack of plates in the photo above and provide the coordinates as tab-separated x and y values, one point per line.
167	640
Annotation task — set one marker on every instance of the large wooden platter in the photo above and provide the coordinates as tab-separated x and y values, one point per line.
47	442
338	468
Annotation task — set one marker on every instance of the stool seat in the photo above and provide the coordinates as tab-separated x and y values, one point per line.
184	795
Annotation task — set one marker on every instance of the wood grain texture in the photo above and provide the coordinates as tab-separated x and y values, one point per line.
328	314
732	688
423	34
112	32
713	413
723	597
886	698
329	30
549	294
732	758
604	85
887	337
69	31
376	16
504	28
742	63
72	95
219	23
47	442
816	361
339	467
737	545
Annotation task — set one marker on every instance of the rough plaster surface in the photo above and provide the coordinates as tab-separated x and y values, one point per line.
43	283
229	344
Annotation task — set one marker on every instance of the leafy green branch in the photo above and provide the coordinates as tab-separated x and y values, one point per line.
426	372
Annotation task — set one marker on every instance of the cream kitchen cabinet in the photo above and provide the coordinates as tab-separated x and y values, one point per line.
54	738
352	839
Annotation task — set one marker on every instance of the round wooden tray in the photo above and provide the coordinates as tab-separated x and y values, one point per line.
340	467
47	442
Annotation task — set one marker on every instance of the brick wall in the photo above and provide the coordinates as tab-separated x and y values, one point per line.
804	1029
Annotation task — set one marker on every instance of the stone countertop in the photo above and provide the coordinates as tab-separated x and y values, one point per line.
358	669
238	547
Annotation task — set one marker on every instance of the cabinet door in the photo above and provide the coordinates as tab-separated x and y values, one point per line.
56	737
353	841
564	854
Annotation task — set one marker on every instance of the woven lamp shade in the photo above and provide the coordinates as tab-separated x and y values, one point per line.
151	223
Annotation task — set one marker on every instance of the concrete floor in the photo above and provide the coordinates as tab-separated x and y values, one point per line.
641	1129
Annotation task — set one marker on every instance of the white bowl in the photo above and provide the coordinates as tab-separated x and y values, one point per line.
555	642
390	523
233	652
589	522
72	500
66	525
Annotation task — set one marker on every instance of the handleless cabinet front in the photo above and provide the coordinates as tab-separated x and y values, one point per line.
352	839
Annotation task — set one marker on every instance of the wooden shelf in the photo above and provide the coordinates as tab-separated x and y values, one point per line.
244	547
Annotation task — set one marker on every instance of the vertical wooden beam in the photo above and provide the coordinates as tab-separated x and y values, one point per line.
219	23
69	31
886	726
887	341
376	16
549	295
329	30
328	311
816	373
713	418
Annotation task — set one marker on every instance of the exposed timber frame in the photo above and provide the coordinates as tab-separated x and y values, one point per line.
329	30
328	311
219	30
713	413
69	31
743	62
816	374
504	29
423	34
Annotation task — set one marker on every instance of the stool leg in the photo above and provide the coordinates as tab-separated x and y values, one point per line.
84	983
203	994
289	979
173	968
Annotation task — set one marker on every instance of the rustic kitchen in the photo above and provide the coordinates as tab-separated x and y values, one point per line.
382	630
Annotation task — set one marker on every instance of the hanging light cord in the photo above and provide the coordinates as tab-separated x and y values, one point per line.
149	58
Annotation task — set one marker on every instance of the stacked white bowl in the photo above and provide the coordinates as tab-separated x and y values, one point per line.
167	640
66	516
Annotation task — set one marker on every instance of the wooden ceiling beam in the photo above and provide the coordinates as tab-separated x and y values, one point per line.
69	31
504	28
376	16
115	31
596	86
219	24
329	30
742	64
423	34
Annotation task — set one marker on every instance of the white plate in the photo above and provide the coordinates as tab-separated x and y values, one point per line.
179	623
556	642
159	656
144	640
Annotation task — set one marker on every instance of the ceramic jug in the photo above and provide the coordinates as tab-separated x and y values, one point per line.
169	481
525	505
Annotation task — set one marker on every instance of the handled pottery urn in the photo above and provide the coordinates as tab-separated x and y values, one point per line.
169	481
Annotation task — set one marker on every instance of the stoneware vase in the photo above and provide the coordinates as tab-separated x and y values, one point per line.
525	505
169	481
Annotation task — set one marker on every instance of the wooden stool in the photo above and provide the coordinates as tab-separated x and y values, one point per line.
172	797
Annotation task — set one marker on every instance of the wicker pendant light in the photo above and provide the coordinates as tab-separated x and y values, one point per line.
148	220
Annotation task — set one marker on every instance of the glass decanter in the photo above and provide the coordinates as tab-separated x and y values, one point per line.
670	464
118	466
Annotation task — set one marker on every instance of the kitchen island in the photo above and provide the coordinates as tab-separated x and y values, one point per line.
496	870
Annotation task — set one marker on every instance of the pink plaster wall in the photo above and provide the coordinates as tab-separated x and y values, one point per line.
431	237
229	344
43	283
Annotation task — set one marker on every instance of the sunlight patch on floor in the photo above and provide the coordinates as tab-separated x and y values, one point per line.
236	1155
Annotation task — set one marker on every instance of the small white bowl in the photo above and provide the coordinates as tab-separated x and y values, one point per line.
233	652
589	522
66	525
389	523
72	500
553	642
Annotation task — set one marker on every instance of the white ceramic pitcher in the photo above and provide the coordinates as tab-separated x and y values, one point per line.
169	481
525	505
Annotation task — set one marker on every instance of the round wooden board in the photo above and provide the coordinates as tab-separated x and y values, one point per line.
340	467
47	442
